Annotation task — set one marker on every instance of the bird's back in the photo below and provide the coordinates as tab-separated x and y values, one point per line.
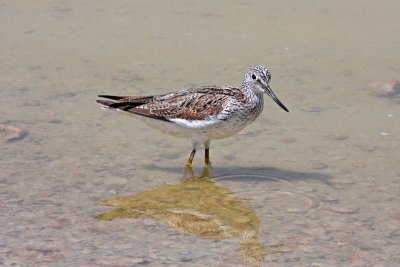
215	111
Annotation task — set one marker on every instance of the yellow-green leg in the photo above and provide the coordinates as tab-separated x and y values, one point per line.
190	159
207	153
207	157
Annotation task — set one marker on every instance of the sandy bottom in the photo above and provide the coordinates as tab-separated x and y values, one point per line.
81	186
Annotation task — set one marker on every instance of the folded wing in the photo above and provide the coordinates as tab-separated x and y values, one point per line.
189	104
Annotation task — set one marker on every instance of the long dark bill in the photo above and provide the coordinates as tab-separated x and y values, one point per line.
269	92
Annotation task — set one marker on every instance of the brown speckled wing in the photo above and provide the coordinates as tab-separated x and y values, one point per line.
190	104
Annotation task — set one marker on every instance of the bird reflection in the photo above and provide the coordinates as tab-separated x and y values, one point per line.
197	206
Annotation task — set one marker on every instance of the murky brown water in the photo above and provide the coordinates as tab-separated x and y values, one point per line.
319	186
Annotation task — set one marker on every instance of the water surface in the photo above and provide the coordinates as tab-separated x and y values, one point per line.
318	186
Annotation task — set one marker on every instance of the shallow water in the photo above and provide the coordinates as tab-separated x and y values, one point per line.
318	186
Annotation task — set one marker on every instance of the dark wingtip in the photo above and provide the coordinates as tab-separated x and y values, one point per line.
105	103
117	105
113	97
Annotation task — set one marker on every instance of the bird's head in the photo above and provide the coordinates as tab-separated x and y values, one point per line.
258	77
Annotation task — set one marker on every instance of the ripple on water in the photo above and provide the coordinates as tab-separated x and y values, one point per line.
276	196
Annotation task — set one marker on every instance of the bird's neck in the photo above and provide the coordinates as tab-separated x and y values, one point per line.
252	93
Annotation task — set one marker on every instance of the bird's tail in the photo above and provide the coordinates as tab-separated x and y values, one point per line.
105	103
113	103
123	102
113	97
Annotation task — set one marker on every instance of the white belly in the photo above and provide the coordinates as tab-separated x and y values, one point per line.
211	128
227	123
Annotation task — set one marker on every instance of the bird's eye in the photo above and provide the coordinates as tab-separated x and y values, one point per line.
254	76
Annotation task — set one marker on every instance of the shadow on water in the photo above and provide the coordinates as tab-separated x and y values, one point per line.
202	207
198	206
253	173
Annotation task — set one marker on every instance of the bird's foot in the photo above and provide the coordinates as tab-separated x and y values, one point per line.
207	171
188	172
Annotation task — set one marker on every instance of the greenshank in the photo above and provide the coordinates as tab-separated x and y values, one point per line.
201	113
